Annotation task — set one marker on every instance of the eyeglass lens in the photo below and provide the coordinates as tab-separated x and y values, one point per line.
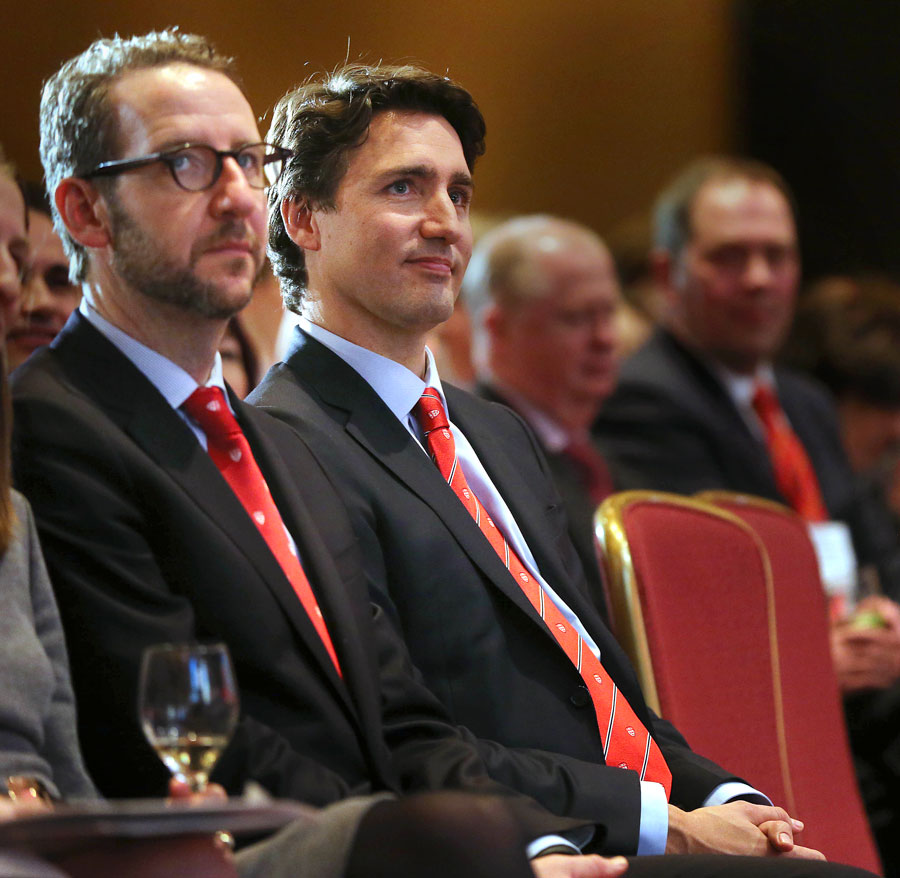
198	167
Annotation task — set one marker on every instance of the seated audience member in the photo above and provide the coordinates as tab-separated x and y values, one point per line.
701	406
544	301
369	232
48	296
239	363
37	712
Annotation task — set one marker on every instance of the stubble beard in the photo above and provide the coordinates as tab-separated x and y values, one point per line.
139	261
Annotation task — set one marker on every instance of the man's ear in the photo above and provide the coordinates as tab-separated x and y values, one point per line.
83	211
301	223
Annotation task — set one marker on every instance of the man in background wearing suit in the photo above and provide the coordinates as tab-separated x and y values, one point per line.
702	406
543	300
369	233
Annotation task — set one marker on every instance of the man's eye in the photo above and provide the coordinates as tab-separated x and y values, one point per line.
249	161
400	187
462	197
57	278
187	160
729	258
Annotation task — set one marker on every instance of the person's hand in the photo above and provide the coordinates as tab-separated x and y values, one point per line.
23	807
867	658
592	866
25	799
884	608
736	828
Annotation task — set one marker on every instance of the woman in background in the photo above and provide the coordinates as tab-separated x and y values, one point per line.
37	708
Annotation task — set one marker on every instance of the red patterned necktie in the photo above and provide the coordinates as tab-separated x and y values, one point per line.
626	743
230	452
794	475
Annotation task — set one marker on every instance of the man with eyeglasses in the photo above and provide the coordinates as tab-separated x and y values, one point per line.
165	507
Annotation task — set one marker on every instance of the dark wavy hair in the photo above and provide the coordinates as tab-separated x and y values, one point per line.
329	115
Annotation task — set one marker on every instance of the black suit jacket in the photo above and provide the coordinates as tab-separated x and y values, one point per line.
146	543
579	506
471	631
671	425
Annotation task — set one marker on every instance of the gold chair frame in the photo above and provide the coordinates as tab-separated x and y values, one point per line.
631	632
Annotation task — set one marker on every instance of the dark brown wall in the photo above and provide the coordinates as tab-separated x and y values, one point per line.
590	105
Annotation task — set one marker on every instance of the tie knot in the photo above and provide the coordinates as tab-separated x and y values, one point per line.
430	411
765	402
207	406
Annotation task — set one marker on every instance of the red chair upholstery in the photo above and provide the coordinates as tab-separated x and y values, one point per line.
695	606
822	776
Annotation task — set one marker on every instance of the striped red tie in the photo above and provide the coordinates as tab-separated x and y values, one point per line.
626	743
231	453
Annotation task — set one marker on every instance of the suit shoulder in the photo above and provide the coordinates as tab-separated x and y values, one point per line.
472	407
657	366
40	376
804	389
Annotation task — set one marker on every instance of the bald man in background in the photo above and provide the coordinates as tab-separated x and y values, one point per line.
543	297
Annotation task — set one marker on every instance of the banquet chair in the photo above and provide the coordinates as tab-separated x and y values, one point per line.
695	605
813	709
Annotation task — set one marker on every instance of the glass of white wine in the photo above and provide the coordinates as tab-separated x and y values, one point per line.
188	706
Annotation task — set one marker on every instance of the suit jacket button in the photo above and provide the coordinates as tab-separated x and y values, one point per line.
580	697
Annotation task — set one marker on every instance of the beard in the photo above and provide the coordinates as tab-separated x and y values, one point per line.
141	263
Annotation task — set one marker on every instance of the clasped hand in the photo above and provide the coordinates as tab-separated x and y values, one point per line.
736	828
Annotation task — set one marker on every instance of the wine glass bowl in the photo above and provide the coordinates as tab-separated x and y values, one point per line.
188	706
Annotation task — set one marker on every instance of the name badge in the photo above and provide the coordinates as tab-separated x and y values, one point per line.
837	564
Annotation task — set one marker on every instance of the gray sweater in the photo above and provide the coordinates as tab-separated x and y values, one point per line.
37	708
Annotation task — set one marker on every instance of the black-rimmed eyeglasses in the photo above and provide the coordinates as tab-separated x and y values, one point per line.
197	166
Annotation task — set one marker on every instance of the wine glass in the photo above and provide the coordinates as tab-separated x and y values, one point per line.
188	706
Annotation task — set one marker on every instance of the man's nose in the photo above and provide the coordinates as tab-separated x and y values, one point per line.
233	193
442	219
758	271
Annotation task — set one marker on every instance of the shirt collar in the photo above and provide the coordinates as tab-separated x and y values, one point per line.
168	378
741	387
398	387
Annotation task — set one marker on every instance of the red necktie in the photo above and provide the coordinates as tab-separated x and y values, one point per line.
592	468
230	452
626	743
794	475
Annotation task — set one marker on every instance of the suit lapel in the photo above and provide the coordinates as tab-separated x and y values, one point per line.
101	371
372	425
715	406
317	564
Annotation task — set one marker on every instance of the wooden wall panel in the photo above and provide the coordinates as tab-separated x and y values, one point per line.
590	105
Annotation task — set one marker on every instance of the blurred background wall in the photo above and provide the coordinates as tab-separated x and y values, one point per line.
591	104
